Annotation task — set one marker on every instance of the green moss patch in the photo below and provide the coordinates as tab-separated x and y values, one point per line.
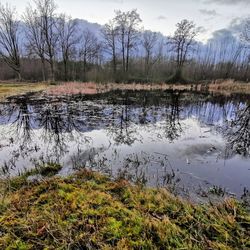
89	211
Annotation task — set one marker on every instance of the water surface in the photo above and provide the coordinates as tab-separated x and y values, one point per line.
189	141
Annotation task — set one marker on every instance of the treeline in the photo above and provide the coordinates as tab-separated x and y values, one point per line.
45	45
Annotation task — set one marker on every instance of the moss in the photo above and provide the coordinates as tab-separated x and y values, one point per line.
19	245
89	211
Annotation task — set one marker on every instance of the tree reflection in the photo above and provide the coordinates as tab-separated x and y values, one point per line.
51	120
121	129
238	133
61	124
124	128
173	128
126	117
21	123
56	121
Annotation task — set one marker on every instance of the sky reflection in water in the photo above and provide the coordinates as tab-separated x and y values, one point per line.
179	138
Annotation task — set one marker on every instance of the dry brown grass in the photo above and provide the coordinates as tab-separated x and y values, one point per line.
230	86
9	89
70	88
225	87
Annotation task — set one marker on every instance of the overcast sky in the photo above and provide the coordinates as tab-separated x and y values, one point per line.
158	15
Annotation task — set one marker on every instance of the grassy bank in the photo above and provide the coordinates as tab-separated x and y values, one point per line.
70	88
229	86
223	87
89	211
9	89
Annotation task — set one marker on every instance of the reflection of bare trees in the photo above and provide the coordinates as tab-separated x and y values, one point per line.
51	120
127	118
58	122
121	128
124	129
21	124
239	133
173	127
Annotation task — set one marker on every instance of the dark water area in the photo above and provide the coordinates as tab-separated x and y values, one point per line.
184	140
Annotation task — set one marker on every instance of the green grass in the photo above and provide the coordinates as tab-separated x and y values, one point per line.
47	169
89	211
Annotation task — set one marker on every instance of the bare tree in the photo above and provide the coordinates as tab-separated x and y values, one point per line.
235	53
182	43
9	45
110	33
52	39
127	24
246	37
149	42
48	21
35	36
246	31
89	50
68	38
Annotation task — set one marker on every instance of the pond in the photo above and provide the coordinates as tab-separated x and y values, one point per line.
191	142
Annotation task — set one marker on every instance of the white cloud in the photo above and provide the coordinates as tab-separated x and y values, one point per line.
161	17
233	2
208	12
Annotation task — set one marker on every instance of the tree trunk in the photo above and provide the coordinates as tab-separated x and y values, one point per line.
127	61
147	65
19	76
84	68
128	52
178	76
114	59
52	71
123	54
65	64
43	69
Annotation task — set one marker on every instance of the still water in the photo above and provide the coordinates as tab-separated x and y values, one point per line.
189	141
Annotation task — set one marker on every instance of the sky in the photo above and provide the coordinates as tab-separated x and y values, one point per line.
159	15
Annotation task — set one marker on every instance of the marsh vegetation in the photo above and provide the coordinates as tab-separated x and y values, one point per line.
120	137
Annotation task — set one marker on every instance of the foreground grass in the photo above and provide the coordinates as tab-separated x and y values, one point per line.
89	211
10	89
